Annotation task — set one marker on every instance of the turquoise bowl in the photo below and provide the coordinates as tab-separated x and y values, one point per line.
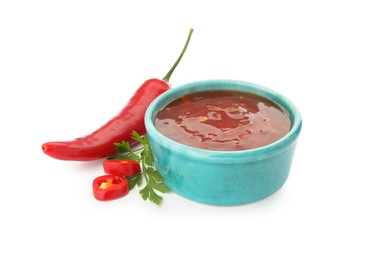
223	177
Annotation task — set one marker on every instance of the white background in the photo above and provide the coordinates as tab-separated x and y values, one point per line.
66	67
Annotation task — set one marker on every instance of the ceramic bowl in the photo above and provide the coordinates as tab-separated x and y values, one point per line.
223	177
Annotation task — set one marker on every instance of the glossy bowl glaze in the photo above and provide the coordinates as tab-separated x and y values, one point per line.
223	177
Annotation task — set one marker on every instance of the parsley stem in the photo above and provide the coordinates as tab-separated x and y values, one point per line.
144	165
137	150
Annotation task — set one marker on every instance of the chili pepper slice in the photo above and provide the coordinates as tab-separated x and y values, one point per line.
109	187
100	143
122	167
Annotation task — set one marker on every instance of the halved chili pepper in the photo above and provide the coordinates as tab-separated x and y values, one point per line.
109	187
100	143
121	167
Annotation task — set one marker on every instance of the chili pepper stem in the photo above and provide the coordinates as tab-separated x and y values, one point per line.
168	75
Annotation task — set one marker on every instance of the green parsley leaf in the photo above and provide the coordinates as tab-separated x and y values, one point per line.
138	137
148	193
155	198
155	174
124	152
122	147
145	192
160	187
135	180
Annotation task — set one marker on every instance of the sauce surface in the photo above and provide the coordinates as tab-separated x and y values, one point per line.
223	120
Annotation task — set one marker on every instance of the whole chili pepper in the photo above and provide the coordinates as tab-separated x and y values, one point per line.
100	143
109	187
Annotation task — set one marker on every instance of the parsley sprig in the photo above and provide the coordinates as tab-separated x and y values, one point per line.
152	178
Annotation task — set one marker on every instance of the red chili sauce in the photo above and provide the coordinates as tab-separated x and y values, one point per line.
223	120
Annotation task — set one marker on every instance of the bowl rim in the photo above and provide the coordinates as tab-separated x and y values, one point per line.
213	155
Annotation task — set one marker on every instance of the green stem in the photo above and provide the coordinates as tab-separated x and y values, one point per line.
168	75
137	150
144	166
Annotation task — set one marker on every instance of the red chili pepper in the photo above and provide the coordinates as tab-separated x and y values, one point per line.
122	167
109	187
100	143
